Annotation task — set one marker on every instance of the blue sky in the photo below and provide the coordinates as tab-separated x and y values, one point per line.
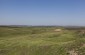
42	12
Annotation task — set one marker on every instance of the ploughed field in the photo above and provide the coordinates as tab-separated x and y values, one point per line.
41	41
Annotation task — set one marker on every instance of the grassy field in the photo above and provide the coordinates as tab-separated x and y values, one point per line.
41	41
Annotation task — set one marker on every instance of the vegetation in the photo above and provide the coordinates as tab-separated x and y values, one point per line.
41	41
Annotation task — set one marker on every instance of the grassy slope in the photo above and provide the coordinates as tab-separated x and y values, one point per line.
39	41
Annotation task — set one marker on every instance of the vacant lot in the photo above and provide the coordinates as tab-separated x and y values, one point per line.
41	41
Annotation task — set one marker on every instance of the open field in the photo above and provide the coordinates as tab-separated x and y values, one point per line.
41	41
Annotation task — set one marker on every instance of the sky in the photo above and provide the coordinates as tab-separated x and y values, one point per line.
42	12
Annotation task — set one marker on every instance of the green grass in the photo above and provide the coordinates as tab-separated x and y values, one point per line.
39	41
